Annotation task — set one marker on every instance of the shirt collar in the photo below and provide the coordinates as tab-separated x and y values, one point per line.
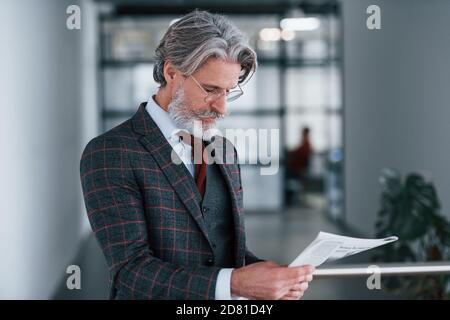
161	118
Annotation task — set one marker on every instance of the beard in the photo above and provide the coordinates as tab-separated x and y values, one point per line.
189	119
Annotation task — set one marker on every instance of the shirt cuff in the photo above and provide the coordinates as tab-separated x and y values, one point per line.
223	284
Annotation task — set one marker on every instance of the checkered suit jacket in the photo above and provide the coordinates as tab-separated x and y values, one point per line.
145	213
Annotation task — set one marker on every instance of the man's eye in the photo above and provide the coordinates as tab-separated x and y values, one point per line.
214	91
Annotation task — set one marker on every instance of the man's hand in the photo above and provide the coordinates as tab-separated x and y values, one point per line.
270	281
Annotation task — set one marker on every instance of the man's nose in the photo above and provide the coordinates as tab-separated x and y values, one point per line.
219	105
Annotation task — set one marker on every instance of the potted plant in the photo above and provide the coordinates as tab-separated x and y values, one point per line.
410	209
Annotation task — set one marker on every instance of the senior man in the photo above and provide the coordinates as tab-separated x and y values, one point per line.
169	227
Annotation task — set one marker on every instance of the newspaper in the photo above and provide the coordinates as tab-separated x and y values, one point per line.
330	247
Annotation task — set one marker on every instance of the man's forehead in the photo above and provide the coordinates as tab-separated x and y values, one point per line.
219	73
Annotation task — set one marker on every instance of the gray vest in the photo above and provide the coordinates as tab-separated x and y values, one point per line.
218	217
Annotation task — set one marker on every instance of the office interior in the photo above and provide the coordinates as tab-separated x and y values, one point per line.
375	103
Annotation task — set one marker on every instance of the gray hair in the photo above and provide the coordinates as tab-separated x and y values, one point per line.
201	35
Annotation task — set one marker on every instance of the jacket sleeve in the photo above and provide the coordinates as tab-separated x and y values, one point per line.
116	213
251	258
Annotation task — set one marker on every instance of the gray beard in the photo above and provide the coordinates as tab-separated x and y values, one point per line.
185	119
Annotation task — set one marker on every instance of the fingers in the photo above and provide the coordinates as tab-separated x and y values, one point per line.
268	280
303	286
293	295
299	274
296	291
303	270
309	269
297	287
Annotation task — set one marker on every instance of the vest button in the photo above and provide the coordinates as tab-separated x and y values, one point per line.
209	262
205	209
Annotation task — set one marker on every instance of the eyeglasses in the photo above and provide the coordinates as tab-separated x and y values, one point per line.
212	95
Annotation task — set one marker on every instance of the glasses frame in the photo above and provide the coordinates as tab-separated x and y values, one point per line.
211	96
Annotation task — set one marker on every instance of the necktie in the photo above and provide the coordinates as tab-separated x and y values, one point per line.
200	168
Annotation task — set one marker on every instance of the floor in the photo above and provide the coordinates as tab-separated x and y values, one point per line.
279	236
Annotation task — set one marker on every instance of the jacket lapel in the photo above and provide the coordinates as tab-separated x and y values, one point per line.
177	174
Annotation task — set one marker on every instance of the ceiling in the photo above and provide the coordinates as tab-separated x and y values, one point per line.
152	7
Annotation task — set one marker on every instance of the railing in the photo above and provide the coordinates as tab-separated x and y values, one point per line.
384	269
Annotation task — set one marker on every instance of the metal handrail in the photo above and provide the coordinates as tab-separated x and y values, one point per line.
384	269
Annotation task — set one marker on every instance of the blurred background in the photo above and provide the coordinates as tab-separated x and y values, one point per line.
363	118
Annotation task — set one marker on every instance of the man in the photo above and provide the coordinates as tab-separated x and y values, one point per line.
301	156
298	164
166	235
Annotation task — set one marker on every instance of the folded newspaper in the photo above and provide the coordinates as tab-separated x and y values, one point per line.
330	247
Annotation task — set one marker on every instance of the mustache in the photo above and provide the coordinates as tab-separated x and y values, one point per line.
210	114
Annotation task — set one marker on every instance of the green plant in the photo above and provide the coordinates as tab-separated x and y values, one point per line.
410	209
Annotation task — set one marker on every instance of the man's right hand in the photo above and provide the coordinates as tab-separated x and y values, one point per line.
270	281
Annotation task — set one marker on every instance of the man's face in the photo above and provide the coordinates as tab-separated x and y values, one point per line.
188	105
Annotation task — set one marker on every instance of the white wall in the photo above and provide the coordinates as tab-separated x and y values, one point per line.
41	218
397	99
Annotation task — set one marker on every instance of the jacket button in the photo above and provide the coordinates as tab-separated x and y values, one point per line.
209	262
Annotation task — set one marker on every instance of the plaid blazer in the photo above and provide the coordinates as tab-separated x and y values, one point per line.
145	213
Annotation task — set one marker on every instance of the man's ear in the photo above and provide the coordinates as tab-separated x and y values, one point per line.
170	73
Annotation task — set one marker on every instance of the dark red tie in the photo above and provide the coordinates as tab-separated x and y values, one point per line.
200	168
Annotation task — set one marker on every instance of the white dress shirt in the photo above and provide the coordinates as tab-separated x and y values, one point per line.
183	150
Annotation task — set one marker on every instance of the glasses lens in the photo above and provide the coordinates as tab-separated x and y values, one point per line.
233	95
